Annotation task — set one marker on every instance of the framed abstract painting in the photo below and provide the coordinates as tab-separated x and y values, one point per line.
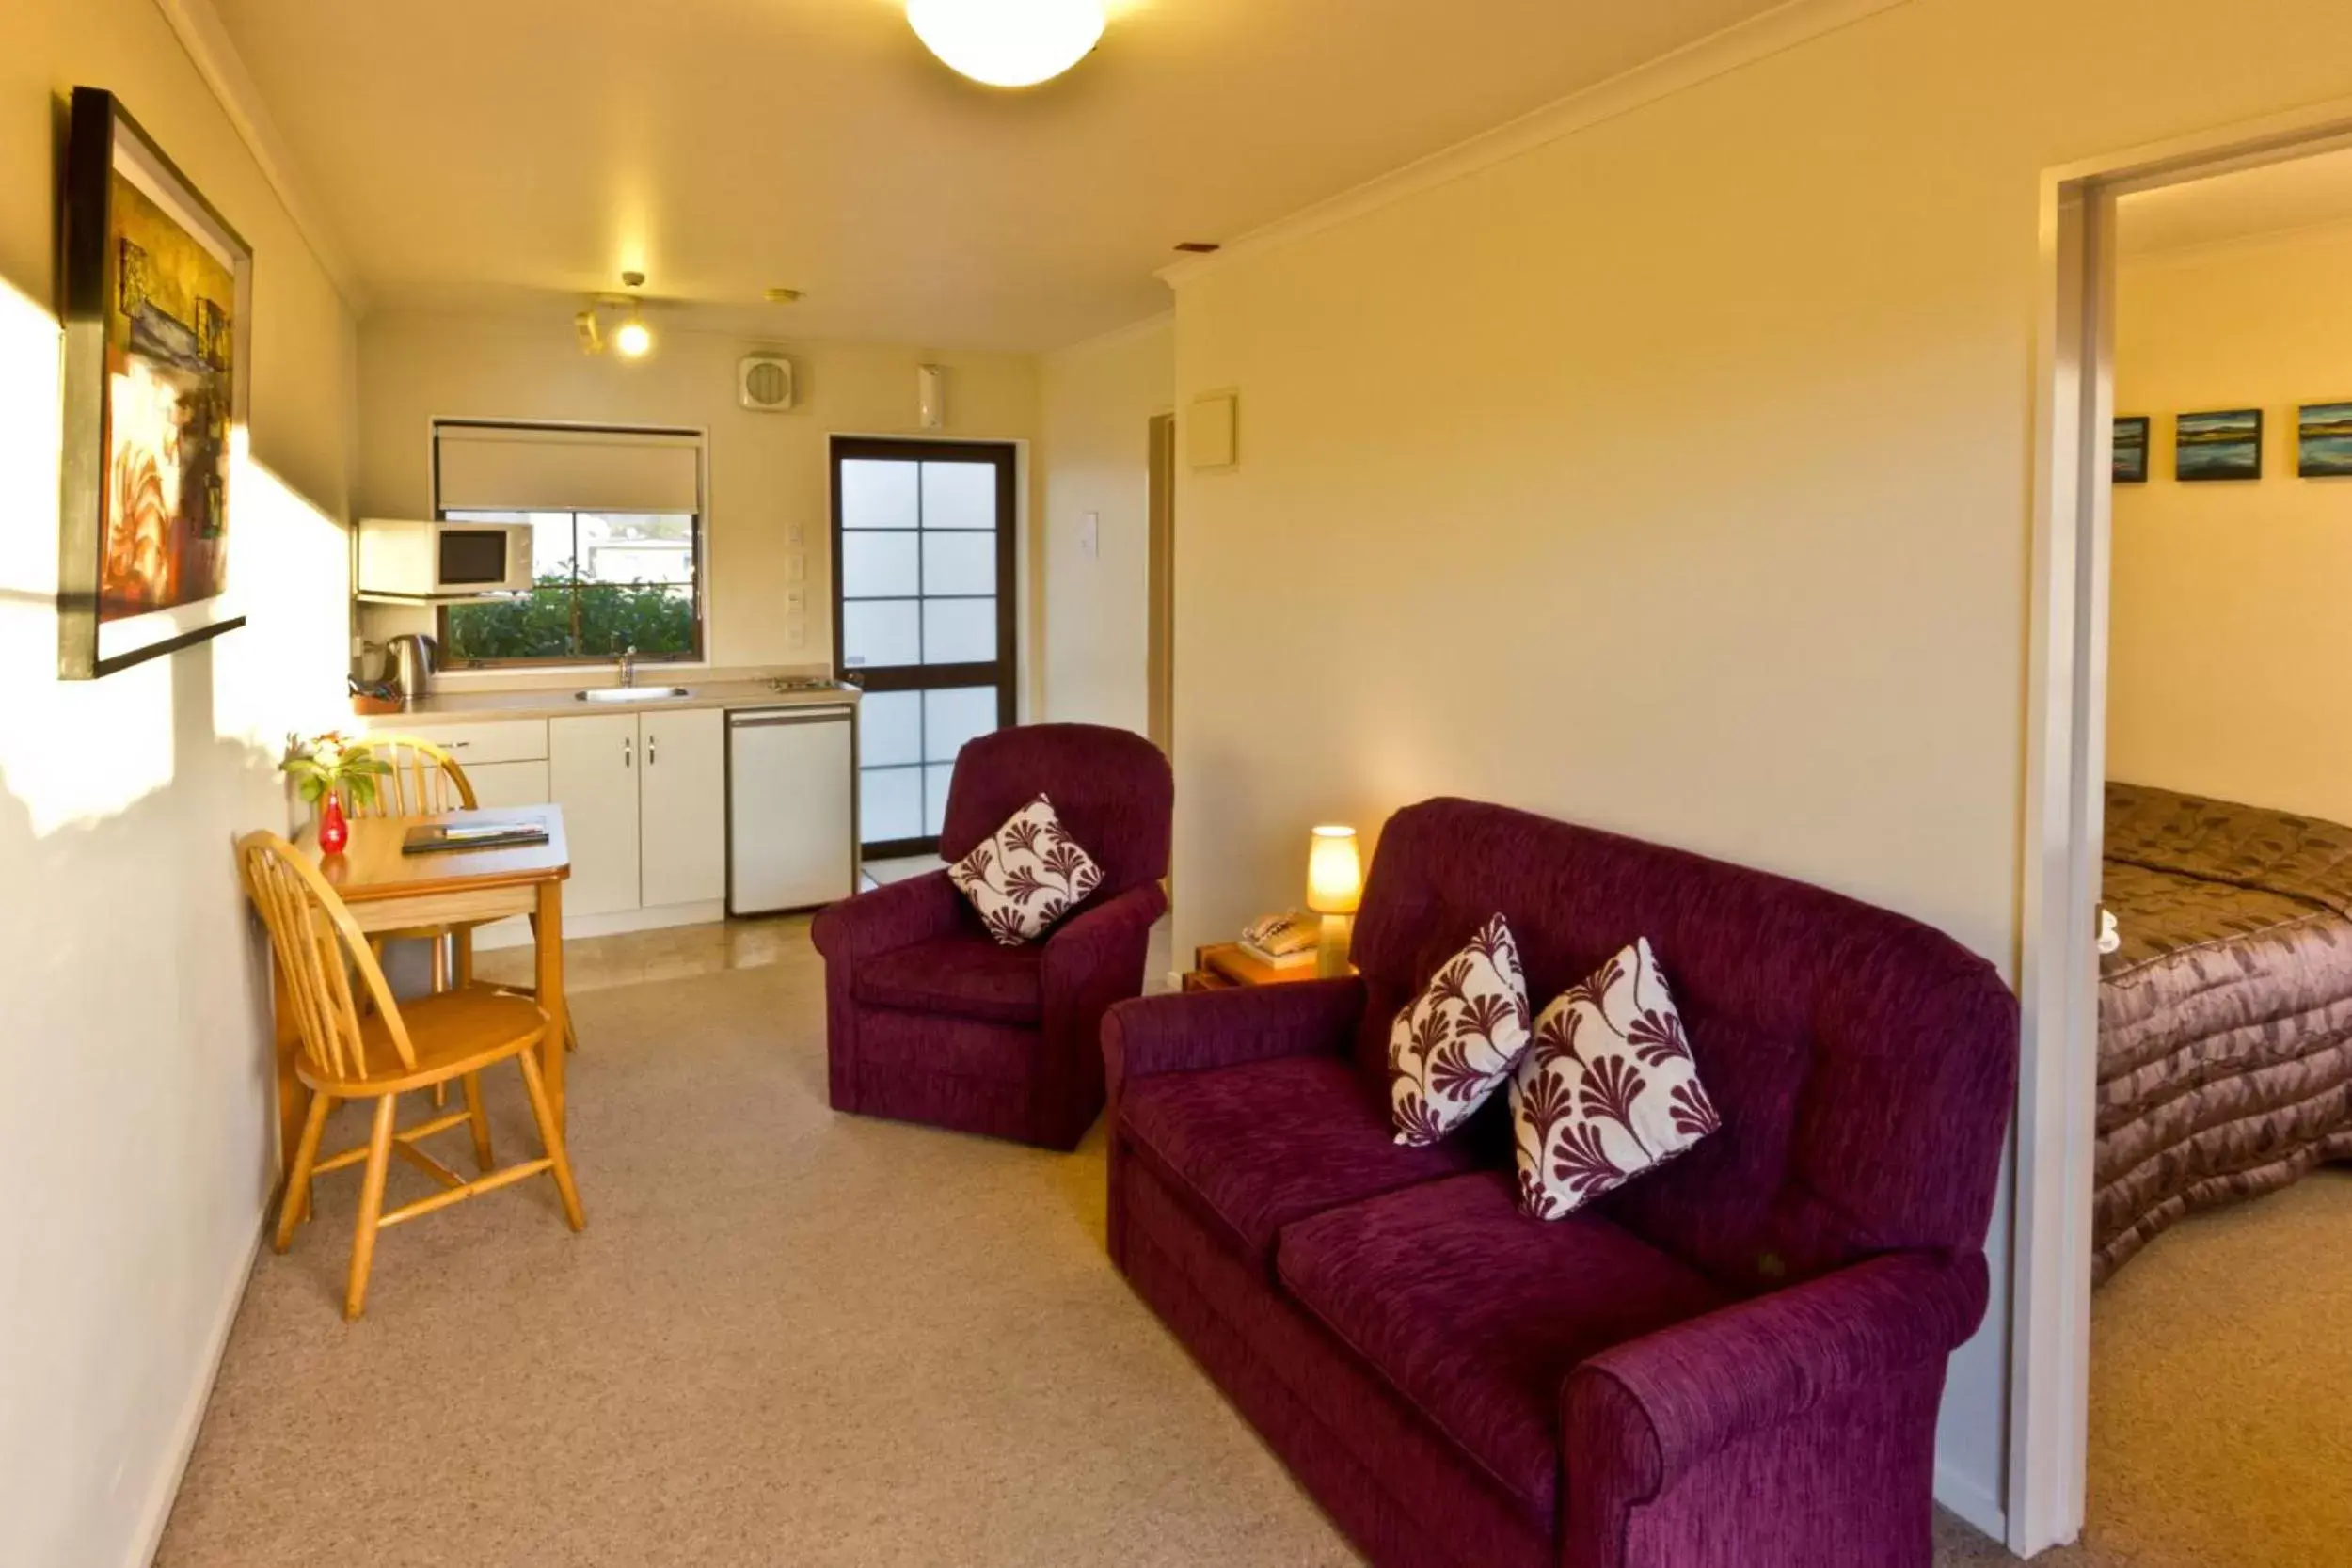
157	303
2131	449
2324	440
2225	445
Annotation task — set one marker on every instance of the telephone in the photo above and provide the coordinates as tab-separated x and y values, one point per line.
1283	940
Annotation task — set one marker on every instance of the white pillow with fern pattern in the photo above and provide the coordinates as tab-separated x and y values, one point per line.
1458	1040
1028	876
1606	1090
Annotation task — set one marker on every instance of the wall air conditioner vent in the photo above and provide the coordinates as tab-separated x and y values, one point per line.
764	383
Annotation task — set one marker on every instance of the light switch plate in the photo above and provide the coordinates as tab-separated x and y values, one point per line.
1090	534
797	569
795	630
796	536
795	599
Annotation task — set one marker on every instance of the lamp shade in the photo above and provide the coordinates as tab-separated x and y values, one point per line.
1007	43
1335	877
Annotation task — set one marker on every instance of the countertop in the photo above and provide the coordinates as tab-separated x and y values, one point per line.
459	707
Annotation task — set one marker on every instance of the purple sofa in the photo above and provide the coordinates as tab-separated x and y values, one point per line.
929	1019
1733	1359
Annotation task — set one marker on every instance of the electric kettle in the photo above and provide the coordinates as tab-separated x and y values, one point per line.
414	657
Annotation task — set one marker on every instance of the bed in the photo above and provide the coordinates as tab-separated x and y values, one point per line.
2225	1015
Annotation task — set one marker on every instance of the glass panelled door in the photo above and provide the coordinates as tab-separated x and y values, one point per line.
922	615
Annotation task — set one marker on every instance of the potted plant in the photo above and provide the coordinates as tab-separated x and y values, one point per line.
331	770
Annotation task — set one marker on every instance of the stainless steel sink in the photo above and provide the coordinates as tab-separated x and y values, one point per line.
632	694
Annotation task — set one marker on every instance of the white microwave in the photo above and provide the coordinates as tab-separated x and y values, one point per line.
402	560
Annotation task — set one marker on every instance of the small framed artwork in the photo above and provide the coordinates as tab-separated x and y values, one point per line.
2224	445
157	308
2131	449
2324	440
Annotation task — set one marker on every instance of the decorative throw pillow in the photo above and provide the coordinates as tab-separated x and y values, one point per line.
1608	1090
1026	877
1458	1040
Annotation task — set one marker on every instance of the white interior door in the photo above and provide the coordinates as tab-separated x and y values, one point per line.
682	814
592	773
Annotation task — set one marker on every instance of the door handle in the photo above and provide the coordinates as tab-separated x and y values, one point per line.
628	753
653	750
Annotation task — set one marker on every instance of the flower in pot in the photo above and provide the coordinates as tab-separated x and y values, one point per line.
328	771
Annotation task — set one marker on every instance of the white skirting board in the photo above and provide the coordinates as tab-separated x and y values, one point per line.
157	1513
1972	1500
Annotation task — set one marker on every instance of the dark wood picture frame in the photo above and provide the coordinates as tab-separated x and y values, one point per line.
101	135
1003	671
2129	464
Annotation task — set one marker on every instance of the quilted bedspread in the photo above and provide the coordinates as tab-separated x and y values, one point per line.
2225	1018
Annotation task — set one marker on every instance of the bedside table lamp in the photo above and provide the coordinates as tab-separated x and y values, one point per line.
1335	884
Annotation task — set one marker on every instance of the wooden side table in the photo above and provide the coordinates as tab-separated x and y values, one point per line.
1224	966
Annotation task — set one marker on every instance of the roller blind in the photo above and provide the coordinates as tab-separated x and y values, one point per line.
526	468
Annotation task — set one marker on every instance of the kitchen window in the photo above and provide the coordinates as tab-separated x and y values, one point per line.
615	518
602	583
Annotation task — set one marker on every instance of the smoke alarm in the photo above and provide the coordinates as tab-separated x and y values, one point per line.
763	383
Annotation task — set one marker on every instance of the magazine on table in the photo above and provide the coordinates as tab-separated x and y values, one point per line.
442	837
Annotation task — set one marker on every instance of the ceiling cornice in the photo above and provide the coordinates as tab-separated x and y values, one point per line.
1156	322
206	39
1717	55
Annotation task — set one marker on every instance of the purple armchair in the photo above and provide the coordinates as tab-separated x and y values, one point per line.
1735	1359
929	1019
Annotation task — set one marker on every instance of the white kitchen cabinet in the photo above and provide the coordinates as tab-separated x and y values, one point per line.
498	784
682	807
593	774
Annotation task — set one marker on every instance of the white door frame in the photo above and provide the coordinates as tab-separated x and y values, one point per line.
2065	776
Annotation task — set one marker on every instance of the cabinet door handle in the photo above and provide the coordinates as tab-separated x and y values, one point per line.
628	753
653	750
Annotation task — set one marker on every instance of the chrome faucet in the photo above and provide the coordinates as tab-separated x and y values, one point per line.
627	663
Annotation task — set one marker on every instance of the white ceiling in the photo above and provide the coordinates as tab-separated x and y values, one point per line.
2301	193
512	154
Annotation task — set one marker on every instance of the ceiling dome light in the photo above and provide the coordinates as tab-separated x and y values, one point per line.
1007	43
634	340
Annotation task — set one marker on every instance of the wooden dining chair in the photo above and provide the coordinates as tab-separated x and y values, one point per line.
363	1044
426	780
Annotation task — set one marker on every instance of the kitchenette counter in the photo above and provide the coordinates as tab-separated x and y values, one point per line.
459	707
735	798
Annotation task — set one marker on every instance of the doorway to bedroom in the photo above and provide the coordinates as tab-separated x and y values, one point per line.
2220	1194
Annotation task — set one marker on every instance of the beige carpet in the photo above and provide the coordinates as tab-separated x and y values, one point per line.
792	1337
2221	1391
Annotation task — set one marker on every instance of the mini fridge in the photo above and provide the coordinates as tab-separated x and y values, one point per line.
791	807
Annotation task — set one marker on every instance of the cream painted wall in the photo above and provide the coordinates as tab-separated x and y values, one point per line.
767	472
1099	401
2227	672
135	1097
1673	476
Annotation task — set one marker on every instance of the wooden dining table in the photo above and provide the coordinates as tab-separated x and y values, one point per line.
388	891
